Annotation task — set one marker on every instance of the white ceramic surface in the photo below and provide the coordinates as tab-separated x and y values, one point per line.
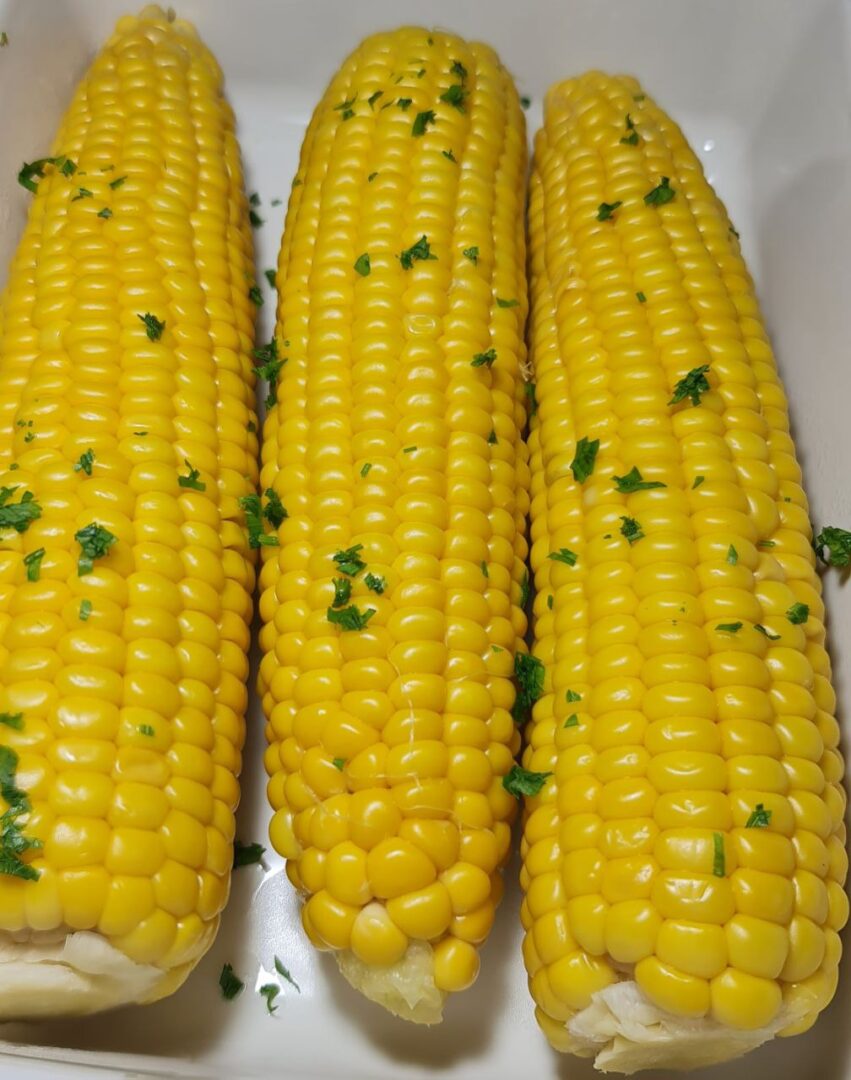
762	90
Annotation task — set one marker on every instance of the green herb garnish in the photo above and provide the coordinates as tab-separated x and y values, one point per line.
269	991
247	854
691	386
270	277
760	629
564	555
85	462
798	613
729	627
838	544
191	480
449	156
718	860
371	100
362	266
529	673
12	720
584	459
606	211
365	468
484	359
146	730
257	536
661	194
633	481
229	983
105	213
33	564
95	541
631	530
760	818
85	609
455	96
642	299
269	369
732	555
18	516
351	617
519	781
698	480
255	296
349	561
274	511
419	251
375	582
153	327
422	121
342	592
282	971
471	253
506	303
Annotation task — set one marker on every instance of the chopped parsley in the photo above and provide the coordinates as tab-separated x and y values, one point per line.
719	868
698	480
550	601
229	983
13	843
404	103
247	854
582	465
339	763
631	530
492	440
253	199
371	177
191	481
572	721
519	781
632	138
83	193
274	511
147	730
18	516
642	299
525	589
529	673
838	544
33	564
85	462
255	296
573	696
345	105
484	359
420	251
606	211
506	303
365	468
661	194
371	100
12	720
734	231
105	213
255	219
257	535
269	991
732	555
564	555
530	394
766	543
269	369
349	561
422	121
525	101
633	481
449	156
342	591
484	568
85	609
760	629
362	266
351	617
32	169
471	253
459	70
760	818
691	386
375	582
408	449
798	613
270	277
116	184
282	971
95	541
729	627
455	95
153	327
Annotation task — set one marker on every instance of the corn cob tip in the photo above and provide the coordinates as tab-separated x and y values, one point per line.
406	988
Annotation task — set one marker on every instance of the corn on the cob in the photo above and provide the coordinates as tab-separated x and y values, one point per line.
126	410
391	608
684	859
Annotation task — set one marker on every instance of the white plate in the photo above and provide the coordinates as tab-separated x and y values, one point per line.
761	88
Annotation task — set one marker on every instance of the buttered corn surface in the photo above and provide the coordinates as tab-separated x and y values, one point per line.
391	605
126	407
685	858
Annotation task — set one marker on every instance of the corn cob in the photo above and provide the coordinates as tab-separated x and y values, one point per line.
391	608
126	399
684	855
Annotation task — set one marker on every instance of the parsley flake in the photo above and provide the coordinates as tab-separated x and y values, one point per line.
732	555
691	386
729	627
455	95
362	266
365	468
269	991
760	629
247	854
606	211
269	369
257	536
507	303
422	121
349	561
449	156
342	591
33	564
633	481
153	327
564	555
274	511
519	781
573	696
661	194
255	296
798	613
838	544
95	542
584	459
351	617
760	818
12	720
529	673
230	984
698	480
471	253
85	462
371	100
718	860
484	359
85	609
375	582
419	251
631	530
282	971
191	481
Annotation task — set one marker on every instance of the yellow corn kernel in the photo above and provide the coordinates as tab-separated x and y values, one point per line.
691	838
395	444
